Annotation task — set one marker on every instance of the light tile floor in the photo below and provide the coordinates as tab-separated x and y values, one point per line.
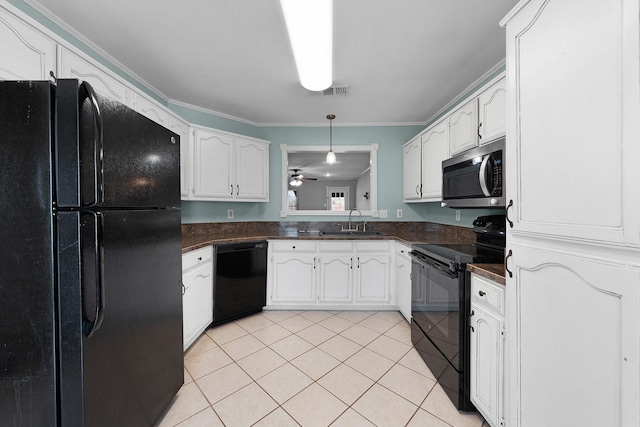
311	368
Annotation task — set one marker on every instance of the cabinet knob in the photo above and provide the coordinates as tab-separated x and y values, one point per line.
482	293
199	258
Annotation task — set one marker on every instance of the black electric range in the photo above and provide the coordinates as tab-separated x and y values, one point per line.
440	303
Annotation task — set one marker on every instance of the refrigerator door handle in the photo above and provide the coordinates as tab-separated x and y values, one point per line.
87	92
89	327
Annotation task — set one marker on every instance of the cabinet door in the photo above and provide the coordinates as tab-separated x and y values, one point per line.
151	110
435	149
486	363
252	170
27	54
463	128
372	278
212	164
403	282
572	145
72	66
492	112
574	357
293	278
412	169
182	129
197	302
336	283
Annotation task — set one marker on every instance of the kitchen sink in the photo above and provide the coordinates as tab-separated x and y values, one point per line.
352	233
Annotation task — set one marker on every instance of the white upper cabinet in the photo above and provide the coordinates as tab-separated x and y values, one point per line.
435	149
72	66
229	167
152	110
26	53
492	112
181	127
212	169
574	128
411	155
251	169
463	128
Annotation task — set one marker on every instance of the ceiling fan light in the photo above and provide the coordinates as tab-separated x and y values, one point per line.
331	157
310	27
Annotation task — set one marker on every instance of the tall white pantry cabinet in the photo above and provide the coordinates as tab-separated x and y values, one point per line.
573	251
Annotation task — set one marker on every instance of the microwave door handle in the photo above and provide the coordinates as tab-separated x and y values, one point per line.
482	175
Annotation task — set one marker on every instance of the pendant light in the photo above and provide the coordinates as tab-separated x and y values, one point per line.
331	156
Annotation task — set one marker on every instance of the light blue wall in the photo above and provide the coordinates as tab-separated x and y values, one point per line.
389	138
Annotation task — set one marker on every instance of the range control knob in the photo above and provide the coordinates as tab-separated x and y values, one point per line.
493	201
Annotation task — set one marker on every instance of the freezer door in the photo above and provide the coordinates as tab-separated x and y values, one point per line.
27	309
109	155
125	268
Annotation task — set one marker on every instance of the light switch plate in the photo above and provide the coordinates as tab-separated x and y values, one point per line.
399	213
229	213
457	215
384	213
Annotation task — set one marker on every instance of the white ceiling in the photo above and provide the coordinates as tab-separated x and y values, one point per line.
402	59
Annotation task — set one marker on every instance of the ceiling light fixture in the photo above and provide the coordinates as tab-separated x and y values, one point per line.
331	156
310	27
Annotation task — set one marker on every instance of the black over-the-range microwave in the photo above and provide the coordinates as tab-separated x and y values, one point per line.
475	178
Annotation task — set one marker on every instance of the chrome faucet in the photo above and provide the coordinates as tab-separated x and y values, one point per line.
359	213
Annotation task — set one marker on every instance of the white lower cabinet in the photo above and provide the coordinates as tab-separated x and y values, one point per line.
403	280
336	263
487	324
197	293
334	273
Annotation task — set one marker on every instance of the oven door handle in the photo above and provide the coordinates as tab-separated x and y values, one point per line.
441	268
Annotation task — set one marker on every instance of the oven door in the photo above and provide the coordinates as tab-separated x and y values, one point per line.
437	298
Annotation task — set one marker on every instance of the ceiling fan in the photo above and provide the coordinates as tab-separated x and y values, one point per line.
297	178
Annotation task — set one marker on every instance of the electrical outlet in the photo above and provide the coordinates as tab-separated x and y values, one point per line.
383	213
229	213
399	213
457	215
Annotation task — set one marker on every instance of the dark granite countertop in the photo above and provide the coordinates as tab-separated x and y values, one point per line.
493	272
196	236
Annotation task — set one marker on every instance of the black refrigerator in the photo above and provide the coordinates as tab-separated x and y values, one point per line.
90	259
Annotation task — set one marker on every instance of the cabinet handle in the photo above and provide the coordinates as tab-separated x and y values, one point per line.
418	189
482	293
351	263
183	289
507	213
314	263
470	316
237	190
232	189
358	262
479	126
505	263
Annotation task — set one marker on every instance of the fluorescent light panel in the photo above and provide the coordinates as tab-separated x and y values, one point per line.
310	27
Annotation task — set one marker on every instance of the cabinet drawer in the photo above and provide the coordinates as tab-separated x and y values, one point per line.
373	246
292	246
402	250
196	257
486	292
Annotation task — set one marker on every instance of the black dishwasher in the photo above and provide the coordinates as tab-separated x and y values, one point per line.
240	286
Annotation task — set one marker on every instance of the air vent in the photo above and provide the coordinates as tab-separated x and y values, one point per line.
332	91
